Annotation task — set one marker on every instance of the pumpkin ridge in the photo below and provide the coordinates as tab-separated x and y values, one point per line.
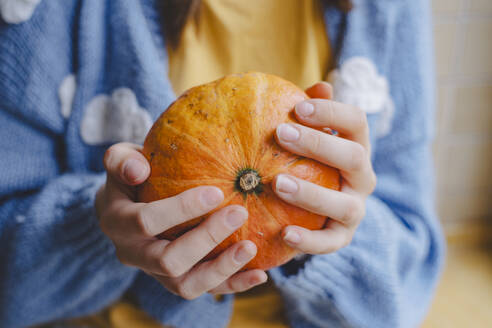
237	144
187	182
198	143
255	153
283	168
267	211
237	125
235	158
241	153
229	198
242	119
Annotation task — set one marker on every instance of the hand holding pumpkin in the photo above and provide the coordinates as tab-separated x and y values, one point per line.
349	152
132	228
172	236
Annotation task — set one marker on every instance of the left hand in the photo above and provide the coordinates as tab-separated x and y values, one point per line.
349	152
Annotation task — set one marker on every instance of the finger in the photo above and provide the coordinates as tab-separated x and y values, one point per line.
158	216
323	90
340	206
116	209
349	120
150	219
328	240
211	274
169	283
186	251
140	253
125	163
331	150
241	282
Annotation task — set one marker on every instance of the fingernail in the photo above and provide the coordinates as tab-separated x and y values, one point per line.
235	218
292	237
287	132
245	253
133	169
286	185
258	280
212	196
304	109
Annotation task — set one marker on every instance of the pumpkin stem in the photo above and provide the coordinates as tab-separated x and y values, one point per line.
248	181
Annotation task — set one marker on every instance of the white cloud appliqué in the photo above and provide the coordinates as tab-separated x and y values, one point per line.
358	83
17	11
66	92
115	119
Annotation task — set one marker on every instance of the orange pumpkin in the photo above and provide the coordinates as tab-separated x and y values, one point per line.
222	134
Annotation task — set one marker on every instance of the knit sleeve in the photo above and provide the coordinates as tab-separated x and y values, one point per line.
54	260
387	275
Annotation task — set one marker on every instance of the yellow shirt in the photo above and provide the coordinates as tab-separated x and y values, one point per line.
282	37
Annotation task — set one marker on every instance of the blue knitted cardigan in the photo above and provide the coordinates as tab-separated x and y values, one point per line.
56	263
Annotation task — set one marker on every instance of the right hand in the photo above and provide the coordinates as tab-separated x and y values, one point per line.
132	227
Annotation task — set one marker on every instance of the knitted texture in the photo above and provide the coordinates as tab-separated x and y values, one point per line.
55	262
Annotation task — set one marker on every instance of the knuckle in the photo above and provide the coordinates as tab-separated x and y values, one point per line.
313	143
222	272
232	285
330	248
316	201
211	235
170	267
347	241
373	182
360	118
358	157
353	212
185	207
185	292
142	222
110	154
329	112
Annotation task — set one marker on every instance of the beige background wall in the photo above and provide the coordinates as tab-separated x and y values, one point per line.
463	147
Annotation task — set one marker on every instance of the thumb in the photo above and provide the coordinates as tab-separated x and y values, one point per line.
125	163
